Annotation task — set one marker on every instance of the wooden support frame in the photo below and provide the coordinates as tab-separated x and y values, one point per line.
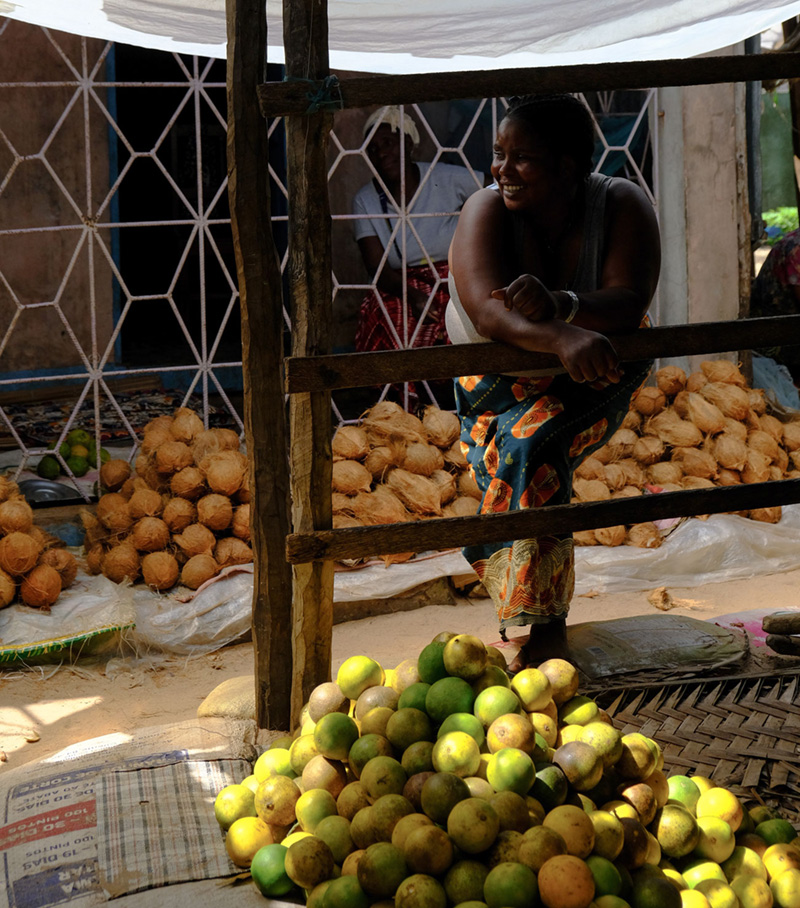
293	608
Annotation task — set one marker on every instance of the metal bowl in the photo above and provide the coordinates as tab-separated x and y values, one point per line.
45	491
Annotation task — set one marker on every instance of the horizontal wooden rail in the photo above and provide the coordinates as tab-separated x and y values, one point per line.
454	532
355	370
279	99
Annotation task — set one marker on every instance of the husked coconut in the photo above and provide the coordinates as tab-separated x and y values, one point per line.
603	454
121	563
113	473
621	443
442	426
610	536
178	514
766	515
113	513
696	381
614	477
8	589
379	506
350	477
730	452
350	443
215	511
772	426
591	490
632	420
584	537
696	482
155	437
341	503
468	486
186	425
626	492
663	472
198	570
731	399
736	428
461	506
225	472
648	449
674	431
645	535
447	485
695	462
649	400
422	458
758	403
706	416
756	469
41	587
160	570
19	553
240	525
230	551
761	441
791	435
145	503
173	456
16	515
150	534
94	558
196	539
388	420
590	468
680	403
418	493
722	370
383	458
64	562
454	456
671	380
728	477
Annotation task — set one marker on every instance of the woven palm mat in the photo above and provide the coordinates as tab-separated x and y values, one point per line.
743	733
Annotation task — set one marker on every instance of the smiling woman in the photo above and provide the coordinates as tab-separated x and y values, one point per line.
550	259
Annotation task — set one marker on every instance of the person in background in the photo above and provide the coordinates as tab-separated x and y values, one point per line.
550	259
420	189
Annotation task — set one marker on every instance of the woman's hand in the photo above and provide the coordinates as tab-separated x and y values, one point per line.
529	296
587	355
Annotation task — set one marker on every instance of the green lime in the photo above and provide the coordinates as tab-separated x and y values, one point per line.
78	465
78	437
49	467
268	870
64	450
92	458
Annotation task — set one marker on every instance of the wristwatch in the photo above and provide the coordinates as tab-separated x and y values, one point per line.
573	298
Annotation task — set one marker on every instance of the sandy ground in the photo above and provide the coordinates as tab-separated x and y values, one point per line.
44	709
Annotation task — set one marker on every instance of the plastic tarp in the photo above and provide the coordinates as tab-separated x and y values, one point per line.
449	35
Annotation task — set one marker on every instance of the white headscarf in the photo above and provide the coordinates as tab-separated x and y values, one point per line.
391	116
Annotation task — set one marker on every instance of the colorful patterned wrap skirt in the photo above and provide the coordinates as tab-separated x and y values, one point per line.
523	438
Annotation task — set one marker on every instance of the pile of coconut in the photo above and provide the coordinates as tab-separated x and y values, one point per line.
394	467
34	566
180	514
689	432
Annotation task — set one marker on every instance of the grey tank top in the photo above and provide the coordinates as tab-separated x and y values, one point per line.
587	274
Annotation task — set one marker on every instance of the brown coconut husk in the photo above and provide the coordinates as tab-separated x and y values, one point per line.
634	472
350	443
160	570
664	473
215	511
706	416
351	477
145	503
19	553
454	456
728	477
345	521
240	525
591	490
775	473
243	495
696	482
8	589
132	484
143	465
186	425
758	402
772	426
627	492
782	460
695	381
189	483
158	422
621	444
794	457
422	458
610	536
695	462
644	535
673	430
396	558
114	473
62	561
791	435
178	514
649	401
383	458
756	468
225	472
196	539
8	488
16	516
670	380
731	399
150	534
759	440
198	570
94	558
680	403
590	468
467	486
93	530
448	487
614	477
722	370
155	437
648	449
603	454
442	426
205	443
632	420
461	506
341	503
230	551
387	420
228	439
122	563
379	506
766	515
173	456
113	513
418	493
736	428
41	587
584	537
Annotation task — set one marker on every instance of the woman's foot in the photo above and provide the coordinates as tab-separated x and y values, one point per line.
545	641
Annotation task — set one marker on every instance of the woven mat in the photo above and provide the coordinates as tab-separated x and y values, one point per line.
741	732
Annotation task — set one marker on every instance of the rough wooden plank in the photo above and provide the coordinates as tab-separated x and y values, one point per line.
353	370
283	98
260	294
310	292
437	534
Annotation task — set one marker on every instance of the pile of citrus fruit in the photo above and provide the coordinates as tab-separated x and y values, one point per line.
78	452
442	782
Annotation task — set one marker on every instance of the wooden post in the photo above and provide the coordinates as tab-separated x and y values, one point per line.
259	277
305	25
789	27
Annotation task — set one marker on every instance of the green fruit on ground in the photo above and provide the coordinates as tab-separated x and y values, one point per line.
494	676
744	860
356	674
465	657
443	636
405	674
407	726
752	891
779	857
274	762
581	764
440	793
578	710
334	735
575	826
691	898
515	730
550	785
546	726
466	722
269	871
760	812
413	787
717	840
446	696
79	451
48	467
233	802
638	759
777	831
785	888
430	663
683	791
563	678
642	798
406	825
533	689
383	775
414	696
658	782
78	437
79	466
510	885
352	798
376	720
308	862
511	769
275	800
611	901
504	848
244	838
495	657
365	748
511	809
105	456
456	752
429	850
607	878
605	739
754	842
494	702
634	845
538	845
420	891
473	825
653	891
63	449
380	695
346	892
676	830
721	803
463	882
609	834
701	869
719	895
361	831
386	812
566	882
335	832
320	772
418	757
327	698
317	895
381	870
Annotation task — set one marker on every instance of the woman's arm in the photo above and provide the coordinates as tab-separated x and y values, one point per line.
390	280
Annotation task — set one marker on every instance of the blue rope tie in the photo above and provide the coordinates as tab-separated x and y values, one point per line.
322	95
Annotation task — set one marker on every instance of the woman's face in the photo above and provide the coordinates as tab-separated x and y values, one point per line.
384	152
528	173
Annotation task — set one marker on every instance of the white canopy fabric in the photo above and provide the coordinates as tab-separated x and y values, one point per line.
418	36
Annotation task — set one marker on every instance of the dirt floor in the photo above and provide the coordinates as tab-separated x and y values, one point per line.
44	709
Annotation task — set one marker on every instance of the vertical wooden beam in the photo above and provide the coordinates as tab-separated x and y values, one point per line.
789	27
259	277
305	29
